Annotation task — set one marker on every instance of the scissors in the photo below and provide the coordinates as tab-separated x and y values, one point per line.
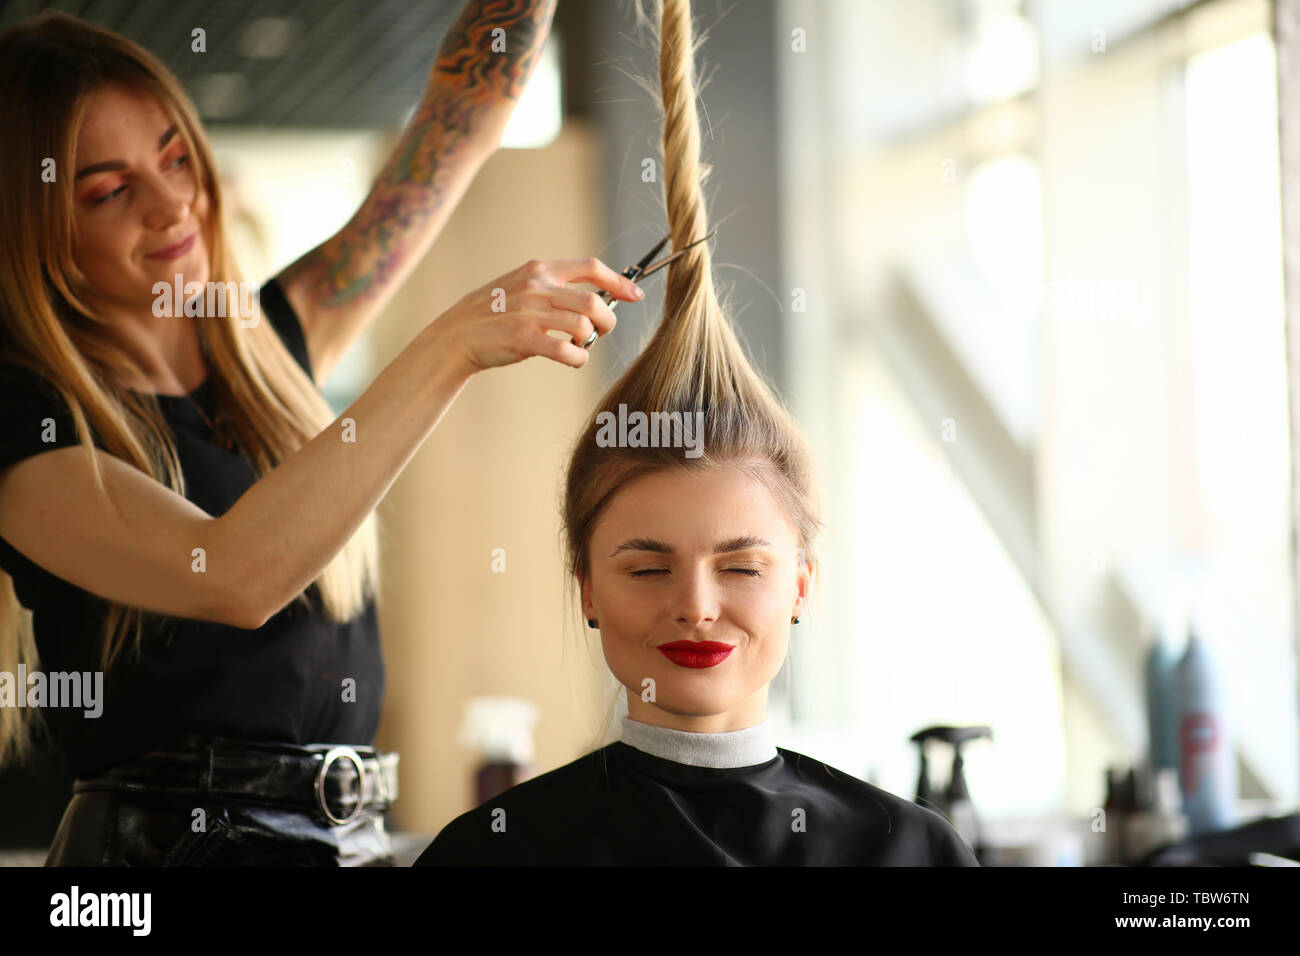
643	269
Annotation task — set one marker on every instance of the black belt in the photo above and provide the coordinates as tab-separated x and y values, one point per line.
338	783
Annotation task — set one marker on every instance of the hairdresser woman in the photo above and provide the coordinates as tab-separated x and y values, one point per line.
179	509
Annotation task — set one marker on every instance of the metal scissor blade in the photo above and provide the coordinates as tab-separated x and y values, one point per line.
645	260
634	272
639	271
667	259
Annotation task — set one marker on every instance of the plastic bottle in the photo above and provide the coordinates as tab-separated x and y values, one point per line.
1207	764
1162	713
960	810
501	730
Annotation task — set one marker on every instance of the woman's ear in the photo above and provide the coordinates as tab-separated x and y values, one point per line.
803	581
584	589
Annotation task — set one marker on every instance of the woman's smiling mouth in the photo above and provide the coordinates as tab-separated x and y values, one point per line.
696	654
174	251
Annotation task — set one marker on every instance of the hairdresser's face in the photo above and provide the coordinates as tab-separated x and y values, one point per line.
658	576
150	199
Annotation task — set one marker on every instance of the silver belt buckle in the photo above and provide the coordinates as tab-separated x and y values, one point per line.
331	755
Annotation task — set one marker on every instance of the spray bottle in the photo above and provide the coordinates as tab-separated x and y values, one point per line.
954	802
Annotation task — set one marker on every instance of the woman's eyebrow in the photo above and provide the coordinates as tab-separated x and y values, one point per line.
739	543
115	164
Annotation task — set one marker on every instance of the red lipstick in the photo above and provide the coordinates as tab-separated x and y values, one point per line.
696	653
176	251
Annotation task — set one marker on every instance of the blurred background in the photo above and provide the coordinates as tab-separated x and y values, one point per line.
1016	267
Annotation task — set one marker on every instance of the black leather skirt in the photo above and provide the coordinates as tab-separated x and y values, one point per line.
219	802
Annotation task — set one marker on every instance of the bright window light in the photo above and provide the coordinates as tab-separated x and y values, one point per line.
1002	60
1235	305
537	118
947	631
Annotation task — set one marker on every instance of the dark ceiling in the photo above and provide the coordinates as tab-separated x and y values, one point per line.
338	64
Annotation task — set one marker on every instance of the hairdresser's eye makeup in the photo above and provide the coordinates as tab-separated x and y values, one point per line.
112	191
105	197
101	193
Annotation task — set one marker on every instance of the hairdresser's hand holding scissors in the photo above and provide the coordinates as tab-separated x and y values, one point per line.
508	319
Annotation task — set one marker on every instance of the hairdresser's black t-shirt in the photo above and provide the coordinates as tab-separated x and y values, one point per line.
281	682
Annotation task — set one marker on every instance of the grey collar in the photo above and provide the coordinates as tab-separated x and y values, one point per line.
736	748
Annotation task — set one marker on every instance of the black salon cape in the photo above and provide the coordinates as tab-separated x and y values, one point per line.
619	806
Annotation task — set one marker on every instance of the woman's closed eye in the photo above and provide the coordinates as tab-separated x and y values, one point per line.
751	572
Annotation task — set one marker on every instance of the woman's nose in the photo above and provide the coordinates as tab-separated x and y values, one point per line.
167	203
695	600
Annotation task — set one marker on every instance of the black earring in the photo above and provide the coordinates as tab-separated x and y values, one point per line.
794	620
591	622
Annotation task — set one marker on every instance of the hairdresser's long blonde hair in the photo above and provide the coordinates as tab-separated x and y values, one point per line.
49	65
693	362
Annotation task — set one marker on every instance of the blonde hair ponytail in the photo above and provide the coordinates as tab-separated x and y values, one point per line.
694	361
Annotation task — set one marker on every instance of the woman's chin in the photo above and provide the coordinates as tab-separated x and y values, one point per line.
694	706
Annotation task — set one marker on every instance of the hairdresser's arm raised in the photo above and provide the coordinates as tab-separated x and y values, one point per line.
481	69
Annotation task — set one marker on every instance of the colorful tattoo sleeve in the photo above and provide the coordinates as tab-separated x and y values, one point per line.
480	71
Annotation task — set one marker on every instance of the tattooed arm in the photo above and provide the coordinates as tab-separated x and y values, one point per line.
339	287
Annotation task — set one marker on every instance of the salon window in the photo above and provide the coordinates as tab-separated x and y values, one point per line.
1045	373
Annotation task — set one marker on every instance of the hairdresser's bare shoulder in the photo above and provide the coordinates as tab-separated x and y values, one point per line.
151	551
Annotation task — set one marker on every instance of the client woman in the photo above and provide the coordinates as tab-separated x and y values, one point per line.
693	568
